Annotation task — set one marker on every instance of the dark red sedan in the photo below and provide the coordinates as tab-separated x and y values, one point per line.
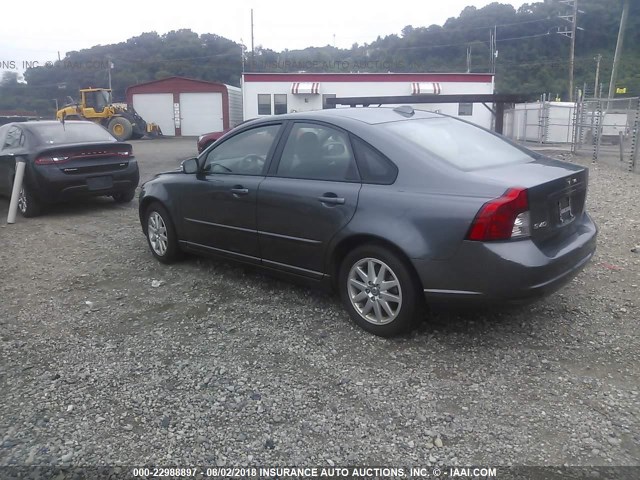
207	139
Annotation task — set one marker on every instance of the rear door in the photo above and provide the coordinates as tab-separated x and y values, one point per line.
308	197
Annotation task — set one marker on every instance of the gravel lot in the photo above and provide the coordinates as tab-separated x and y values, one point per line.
108	357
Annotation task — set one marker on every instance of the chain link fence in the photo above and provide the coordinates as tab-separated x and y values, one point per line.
606	130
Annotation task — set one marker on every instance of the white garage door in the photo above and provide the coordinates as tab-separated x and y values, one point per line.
156	108
201	113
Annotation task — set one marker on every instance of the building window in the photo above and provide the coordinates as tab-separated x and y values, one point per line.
324	100
280	103
465	109
264	104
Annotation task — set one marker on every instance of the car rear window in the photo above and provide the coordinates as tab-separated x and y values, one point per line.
459	143
71	132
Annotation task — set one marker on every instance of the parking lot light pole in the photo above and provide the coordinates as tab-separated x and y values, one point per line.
17	185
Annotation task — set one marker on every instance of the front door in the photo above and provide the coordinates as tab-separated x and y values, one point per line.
219	211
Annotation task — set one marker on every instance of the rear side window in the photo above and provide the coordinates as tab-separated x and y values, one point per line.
373	166
3	131
13	139
459	143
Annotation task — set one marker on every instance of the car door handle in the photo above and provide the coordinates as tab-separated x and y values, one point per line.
240	190
331	199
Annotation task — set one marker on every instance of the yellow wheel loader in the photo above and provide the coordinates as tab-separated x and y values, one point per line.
121	120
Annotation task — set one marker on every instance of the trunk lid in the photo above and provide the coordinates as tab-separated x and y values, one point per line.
556	190
86	158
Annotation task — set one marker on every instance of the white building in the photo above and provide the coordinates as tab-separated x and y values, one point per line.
277	93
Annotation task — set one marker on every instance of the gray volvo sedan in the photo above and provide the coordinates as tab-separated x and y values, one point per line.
394	208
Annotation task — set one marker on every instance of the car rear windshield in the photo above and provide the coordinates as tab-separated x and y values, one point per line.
80	132
459	143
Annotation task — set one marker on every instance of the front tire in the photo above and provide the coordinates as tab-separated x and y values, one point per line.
378	290
124	197
28	206
120	128
161	234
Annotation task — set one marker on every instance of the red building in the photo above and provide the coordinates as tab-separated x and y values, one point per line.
184	106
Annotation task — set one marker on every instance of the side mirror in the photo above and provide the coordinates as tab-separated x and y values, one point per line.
190	165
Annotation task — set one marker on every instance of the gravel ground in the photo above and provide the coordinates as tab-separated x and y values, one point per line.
108	357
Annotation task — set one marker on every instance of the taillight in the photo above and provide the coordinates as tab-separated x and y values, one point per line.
503	218
58	157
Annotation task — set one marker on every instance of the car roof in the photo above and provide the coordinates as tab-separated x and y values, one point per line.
52	122
370	115
38	123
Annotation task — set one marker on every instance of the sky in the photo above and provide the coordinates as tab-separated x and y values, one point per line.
39	33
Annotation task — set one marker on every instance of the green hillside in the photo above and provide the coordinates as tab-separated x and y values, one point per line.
532	57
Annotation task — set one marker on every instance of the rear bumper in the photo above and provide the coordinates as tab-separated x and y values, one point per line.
50	184
507	272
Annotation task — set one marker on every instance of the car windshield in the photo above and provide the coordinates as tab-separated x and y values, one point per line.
459	143
71	132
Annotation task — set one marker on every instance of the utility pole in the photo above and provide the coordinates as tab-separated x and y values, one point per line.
571	34
109	67
468	58
616	58
253	51
493	48
595	85
242	50
491	51
573	48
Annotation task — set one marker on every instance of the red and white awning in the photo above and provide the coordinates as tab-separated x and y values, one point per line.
425	88
299	88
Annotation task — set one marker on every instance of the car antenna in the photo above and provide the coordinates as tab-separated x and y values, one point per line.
405	110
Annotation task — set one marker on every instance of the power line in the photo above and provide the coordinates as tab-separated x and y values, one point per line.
448	30
473	42
528	36
549	62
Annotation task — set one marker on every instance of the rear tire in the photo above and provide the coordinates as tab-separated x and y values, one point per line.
120	128
161	234
378	290
124	197
28	206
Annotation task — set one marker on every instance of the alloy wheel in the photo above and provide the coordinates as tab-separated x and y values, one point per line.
157	233
374	291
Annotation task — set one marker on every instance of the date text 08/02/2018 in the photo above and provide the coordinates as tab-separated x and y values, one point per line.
245	472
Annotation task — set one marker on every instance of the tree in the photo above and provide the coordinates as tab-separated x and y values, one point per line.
9	79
